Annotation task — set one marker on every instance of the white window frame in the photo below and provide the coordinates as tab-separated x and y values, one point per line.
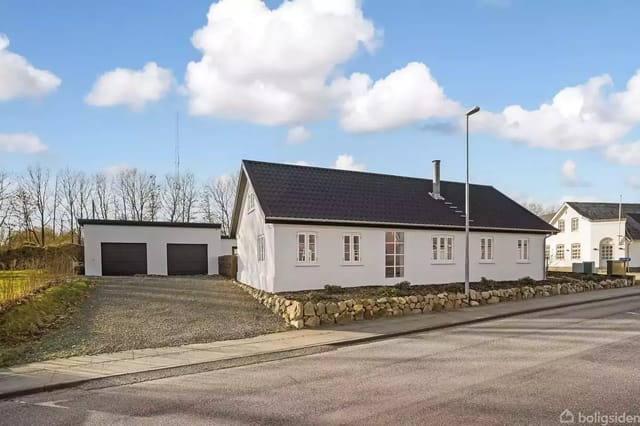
397	252
576	251
251	201
523	250
443	252
260	247
309	253
559	249
351	248
575	224
487	249
561	225
547	252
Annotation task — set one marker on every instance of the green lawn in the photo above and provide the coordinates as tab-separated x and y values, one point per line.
21	324
16	284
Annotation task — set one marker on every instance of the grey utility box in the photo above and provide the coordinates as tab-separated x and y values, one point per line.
577	268
589	267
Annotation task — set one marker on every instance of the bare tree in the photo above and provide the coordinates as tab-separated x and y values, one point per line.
69	187
36	186
218	199
539	209
170	197
23	210
138	193
179	197
102	195
6	199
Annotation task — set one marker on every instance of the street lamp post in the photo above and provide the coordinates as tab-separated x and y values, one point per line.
466	211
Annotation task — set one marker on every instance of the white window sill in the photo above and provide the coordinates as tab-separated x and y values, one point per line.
524	262
443	263
352	264
487	262
307	264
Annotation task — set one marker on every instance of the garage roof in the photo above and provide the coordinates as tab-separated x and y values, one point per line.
148	223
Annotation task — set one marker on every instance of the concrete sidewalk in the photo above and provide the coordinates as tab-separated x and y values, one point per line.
61	373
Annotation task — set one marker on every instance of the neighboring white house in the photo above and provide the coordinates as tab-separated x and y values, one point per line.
117	247
300	228
594	232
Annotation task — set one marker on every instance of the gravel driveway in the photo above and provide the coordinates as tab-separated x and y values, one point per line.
122	313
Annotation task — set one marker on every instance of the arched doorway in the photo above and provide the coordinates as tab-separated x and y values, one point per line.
606	251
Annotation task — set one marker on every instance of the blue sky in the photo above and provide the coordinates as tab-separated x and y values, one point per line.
492	53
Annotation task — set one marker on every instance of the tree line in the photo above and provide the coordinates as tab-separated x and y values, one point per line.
41	204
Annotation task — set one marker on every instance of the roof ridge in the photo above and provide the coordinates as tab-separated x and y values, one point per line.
359	172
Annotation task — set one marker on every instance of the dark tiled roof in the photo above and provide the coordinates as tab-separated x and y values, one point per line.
291	193
148	223
633	226
603	211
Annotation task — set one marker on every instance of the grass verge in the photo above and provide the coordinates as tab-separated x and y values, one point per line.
23	323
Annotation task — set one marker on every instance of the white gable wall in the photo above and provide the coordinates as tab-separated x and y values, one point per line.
156	238
419	269
251	224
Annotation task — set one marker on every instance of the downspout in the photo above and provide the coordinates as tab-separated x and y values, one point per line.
545	263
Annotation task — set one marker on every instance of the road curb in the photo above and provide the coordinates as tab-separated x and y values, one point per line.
288	353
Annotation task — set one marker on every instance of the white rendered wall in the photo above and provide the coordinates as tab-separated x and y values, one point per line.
156	238
227	245
419	269
251	224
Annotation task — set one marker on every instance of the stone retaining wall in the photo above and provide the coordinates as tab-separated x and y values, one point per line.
312	314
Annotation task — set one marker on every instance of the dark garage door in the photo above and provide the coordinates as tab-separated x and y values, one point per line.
124	258
187	259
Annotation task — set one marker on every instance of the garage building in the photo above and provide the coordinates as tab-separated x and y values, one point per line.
120	247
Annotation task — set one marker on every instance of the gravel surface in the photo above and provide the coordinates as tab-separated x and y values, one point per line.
123	313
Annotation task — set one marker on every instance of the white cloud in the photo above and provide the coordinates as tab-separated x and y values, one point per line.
22	143
403	97
18	78
130	87
578	117
570	176
301	163
346	162
116	169
280	77
626	154
297	135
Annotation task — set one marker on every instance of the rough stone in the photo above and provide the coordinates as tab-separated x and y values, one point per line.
332	308
294	311
297	324
309	309
320	308
493	300
312	322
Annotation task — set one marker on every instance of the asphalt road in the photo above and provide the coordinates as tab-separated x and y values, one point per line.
520	370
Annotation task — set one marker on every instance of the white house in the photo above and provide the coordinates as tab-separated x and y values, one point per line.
594	232
300	228
120	247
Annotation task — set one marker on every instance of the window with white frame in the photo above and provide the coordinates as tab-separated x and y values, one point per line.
442	249
547	251
307	247
260	248
560	251
486	249
574	224
351	248
523	249
575	251
394	254
561	225
251	201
